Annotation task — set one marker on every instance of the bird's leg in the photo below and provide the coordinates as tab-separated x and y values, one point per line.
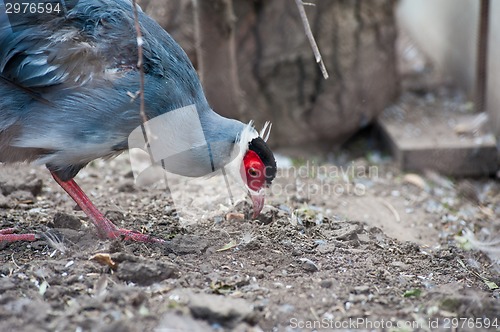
7	235
105	228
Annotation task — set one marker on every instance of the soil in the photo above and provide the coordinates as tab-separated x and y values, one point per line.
362	246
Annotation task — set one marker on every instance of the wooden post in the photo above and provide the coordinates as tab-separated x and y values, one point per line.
216	55
482	56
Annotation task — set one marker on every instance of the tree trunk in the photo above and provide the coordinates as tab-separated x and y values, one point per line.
214	29
282	80
276	70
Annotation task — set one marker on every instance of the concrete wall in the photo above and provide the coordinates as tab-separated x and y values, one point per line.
446	31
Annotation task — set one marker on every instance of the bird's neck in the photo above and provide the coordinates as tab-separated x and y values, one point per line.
190	124
223	137
194	141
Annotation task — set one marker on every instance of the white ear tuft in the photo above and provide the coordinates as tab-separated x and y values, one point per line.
266	131
248	134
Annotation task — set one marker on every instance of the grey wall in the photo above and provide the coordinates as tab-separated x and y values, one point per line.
446	32
493	92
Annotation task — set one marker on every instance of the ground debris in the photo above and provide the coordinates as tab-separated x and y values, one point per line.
348	269
222	310
142	271
63	220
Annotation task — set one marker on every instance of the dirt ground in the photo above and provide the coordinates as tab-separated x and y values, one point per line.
350	244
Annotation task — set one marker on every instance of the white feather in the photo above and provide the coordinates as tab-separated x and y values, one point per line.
266	131
247	134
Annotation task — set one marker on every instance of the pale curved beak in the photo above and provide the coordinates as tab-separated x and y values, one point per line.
257	201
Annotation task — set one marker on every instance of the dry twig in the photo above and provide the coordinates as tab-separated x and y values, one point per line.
140	60
142	107
310	36
392	209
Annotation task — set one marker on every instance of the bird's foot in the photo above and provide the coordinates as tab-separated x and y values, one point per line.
128	235
105	228
7	236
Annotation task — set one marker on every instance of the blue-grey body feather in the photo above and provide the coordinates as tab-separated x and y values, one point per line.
66	84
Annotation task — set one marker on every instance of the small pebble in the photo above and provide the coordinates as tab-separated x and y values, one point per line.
235	217
326	283
364	289
309	265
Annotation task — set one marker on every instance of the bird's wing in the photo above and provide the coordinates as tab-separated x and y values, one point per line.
92	41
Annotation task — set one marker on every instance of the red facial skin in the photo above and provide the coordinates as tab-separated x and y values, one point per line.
253	172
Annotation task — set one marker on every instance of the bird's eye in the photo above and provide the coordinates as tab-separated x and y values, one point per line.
252	172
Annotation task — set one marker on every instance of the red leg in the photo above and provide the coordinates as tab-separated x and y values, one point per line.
105	228
7	235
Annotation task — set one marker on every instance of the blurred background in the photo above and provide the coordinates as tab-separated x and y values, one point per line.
256	63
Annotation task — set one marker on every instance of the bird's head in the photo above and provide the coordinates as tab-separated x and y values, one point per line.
258	169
